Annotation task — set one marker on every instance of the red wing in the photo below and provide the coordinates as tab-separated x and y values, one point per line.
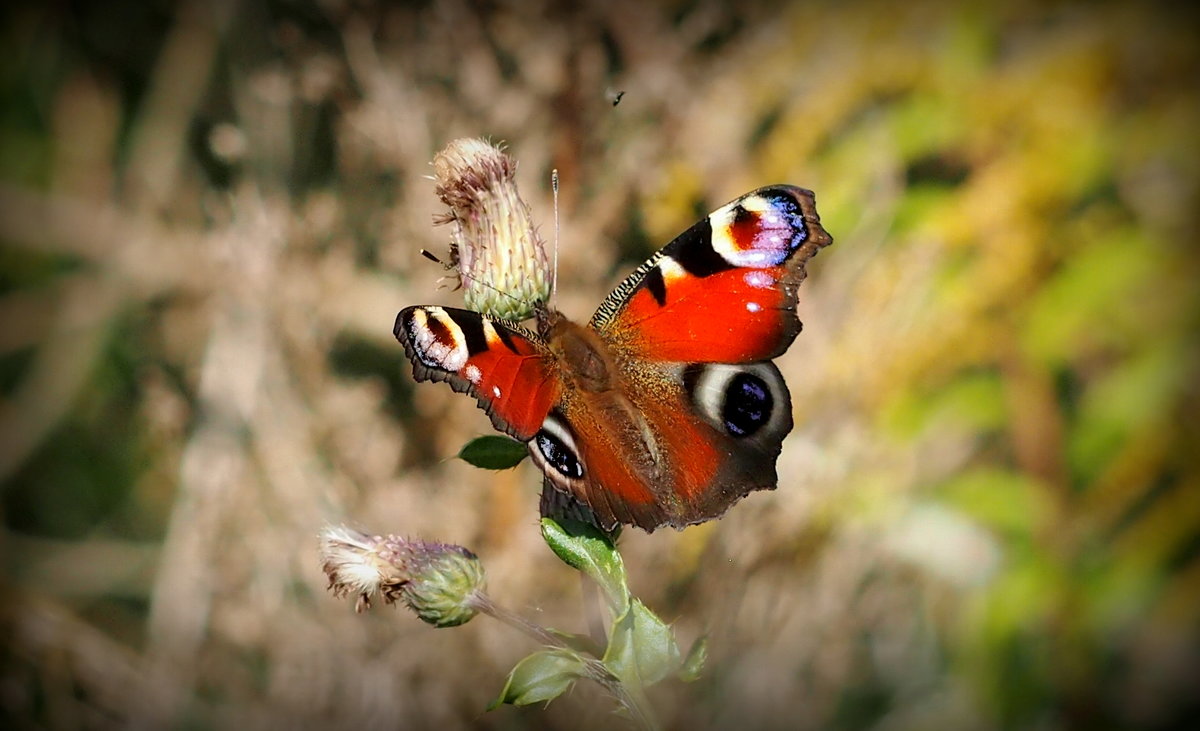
689	462
681	450
506	368
724	291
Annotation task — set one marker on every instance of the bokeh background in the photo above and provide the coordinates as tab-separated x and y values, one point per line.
988	513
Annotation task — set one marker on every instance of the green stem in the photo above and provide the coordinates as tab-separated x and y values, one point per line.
633	700
484	603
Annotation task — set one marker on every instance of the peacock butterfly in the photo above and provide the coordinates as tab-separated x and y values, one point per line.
665	409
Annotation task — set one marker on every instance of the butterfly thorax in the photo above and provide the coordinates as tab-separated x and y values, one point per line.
596	400
583	355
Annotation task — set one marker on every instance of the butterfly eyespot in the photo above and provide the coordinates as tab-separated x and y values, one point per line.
743	401
553	447
748	405
558	456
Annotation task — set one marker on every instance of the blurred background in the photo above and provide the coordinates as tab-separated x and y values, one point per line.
988	513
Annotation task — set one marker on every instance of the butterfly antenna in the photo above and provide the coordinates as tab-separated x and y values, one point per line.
554	281
435	258
452	265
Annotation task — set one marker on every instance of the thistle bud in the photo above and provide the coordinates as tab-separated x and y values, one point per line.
441	583
502	262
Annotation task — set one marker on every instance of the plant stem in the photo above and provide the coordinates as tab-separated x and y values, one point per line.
484	603
591	609
631	699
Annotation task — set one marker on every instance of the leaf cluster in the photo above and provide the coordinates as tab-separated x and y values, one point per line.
641	649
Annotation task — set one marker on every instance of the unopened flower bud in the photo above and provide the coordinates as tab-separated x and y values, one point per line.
441	583
501	260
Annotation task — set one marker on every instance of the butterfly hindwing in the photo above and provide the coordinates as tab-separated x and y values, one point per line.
505	367
724	291
677	444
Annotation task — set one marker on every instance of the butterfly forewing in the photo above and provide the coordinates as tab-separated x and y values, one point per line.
724	291
506	368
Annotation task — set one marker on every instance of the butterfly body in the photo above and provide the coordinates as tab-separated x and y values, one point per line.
664	409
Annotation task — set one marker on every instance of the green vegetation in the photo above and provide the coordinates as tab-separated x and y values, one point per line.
989	510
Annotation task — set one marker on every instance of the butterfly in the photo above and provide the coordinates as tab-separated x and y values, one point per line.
665	408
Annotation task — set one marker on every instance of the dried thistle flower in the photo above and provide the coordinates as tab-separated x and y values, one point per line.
501	260
441	583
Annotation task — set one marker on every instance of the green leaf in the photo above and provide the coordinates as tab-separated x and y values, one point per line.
1126	400
1000	499
974	401
1086	305
586	548
541	677
693	664
493	452
641	648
